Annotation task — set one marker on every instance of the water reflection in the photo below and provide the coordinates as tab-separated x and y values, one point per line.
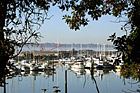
69	80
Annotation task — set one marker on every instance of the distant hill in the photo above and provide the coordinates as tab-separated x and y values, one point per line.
73	45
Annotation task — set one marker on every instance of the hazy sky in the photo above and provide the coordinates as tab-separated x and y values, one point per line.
56	29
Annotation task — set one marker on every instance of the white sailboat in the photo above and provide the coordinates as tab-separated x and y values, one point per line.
78	64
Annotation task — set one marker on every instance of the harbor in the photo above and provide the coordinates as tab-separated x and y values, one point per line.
60	71
69	46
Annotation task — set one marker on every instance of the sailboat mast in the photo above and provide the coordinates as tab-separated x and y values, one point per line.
34	51
104	50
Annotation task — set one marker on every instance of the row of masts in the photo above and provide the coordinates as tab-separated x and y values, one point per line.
100	48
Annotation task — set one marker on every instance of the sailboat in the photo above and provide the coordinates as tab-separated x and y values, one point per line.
78	64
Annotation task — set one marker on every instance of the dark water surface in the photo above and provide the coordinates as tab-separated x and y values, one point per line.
78	81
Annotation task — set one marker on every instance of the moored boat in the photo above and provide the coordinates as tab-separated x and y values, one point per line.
79	64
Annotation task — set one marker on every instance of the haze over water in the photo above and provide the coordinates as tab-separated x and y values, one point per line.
69	47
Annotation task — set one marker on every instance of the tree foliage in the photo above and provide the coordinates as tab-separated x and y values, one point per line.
128	44
19	22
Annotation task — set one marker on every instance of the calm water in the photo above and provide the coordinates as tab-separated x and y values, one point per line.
78	81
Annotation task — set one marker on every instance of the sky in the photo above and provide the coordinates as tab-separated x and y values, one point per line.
55	30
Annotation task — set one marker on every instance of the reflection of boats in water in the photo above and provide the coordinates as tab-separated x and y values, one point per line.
78	71
44	73
31	73
117	72
95	72
77	79
101	72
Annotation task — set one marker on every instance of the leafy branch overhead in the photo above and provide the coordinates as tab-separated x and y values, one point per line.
130	9
95	9
20	20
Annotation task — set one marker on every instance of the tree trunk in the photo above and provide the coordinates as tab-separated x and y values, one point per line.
3	53
3	62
